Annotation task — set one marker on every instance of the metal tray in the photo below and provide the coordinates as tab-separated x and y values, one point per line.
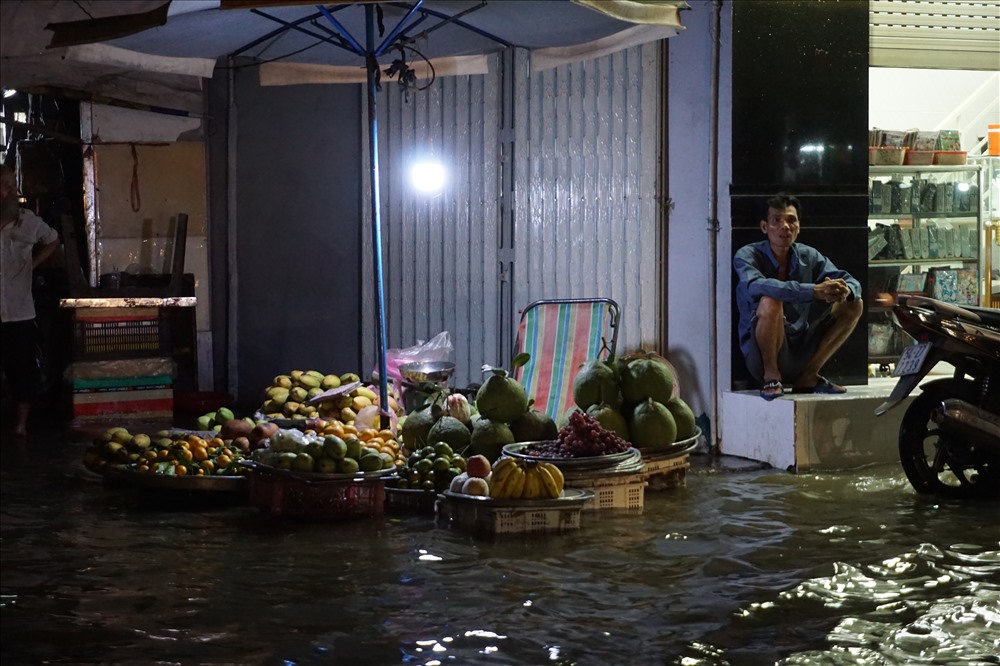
678	448
150	480
569	497
313	477
588	462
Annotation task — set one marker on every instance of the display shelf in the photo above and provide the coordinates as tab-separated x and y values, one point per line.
925	232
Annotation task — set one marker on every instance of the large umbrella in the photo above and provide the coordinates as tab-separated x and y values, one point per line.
99	49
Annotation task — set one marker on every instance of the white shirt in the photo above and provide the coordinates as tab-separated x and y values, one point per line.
17	241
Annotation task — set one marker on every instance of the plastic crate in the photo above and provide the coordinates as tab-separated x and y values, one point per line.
495	520
612	491
280	495
120	335
406	499
665	473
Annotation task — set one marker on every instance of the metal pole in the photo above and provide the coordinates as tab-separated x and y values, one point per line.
713	224
380	343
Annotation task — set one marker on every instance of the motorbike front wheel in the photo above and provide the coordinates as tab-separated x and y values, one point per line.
940	462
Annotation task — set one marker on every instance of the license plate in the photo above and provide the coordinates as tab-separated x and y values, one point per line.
911	359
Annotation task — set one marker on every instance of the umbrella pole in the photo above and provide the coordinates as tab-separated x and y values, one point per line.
380	343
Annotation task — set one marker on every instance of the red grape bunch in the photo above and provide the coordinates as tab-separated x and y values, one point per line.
582	437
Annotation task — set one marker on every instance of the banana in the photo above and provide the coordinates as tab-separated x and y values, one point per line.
557	477
513	483
551	489
501	478
532	489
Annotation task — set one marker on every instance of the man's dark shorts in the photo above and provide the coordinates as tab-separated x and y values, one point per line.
19	358
793	355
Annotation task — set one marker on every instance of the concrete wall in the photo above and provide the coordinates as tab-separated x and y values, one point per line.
297	226
690	298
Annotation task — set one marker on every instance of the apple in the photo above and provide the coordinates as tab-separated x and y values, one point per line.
478	466
458	482
476	486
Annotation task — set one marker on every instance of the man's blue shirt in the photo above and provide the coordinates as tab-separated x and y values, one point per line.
757	270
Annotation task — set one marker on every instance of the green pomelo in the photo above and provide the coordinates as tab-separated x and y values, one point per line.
501	398
489	438
610	419
451	430
652	425
596	384
683	417
417	426
646	378
533	426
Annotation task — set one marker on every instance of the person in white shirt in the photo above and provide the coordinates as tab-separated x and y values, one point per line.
25	242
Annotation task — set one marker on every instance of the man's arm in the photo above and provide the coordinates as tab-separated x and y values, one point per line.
824	270
43	253
759	285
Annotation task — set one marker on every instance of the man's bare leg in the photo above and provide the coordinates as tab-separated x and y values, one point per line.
21	411
845	318
770	333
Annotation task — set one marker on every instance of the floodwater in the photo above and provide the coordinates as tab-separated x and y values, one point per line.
737	567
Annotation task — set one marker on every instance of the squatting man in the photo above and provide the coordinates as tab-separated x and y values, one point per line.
779	280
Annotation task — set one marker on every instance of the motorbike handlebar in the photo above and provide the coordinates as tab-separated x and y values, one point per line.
939	307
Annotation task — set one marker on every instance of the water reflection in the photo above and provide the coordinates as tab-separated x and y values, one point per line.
736	568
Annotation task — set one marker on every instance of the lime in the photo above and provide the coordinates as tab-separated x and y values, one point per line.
443	449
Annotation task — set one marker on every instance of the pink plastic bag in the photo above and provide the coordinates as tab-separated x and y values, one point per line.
437	348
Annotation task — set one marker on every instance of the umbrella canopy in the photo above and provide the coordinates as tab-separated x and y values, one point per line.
152	52
157	53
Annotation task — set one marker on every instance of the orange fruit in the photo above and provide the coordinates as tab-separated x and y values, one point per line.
217	442
200	453
366	434
224	461
181	470
349	429
195	440
208	466
185	455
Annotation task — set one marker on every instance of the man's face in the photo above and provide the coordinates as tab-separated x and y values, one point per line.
781	226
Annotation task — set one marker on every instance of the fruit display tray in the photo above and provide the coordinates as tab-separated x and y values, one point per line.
215	484
493	517
587	462
317	476
678	448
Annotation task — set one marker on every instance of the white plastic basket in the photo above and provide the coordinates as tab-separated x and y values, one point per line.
666	473
612	491
492	520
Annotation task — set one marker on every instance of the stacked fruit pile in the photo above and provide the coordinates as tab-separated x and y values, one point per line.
329	452
509	478
501	415
292	396
582	437
163	453
634	397
431	468
514	478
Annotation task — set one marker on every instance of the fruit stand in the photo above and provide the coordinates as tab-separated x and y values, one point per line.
492	465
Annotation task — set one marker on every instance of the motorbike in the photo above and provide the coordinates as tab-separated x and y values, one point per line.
949	438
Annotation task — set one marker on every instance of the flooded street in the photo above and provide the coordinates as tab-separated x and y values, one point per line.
738	567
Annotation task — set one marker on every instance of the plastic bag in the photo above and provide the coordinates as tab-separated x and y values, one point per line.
437	348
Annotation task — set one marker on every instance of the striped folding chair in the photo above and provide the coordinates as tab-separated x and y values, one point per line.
560	336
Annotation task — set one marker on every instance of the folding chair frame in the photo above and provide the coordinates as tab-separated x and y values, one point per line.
613	311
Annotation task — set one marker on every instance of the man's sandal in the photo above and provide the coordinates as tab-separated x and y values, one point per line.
772	389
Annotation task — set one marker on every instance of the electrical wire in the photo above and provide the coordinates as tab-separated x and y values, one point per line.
134	198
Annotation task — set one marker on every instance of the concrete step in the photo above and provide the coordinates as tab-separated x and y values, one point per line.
813	432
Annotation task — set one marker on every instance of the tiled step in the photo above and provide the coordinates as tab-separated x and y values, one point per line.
812	432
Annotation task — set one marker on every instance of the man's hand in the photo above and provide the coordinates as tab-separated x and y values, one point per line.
832	291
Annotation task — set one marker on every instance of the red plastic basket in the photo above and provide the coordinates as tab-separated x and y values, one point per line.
280	495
